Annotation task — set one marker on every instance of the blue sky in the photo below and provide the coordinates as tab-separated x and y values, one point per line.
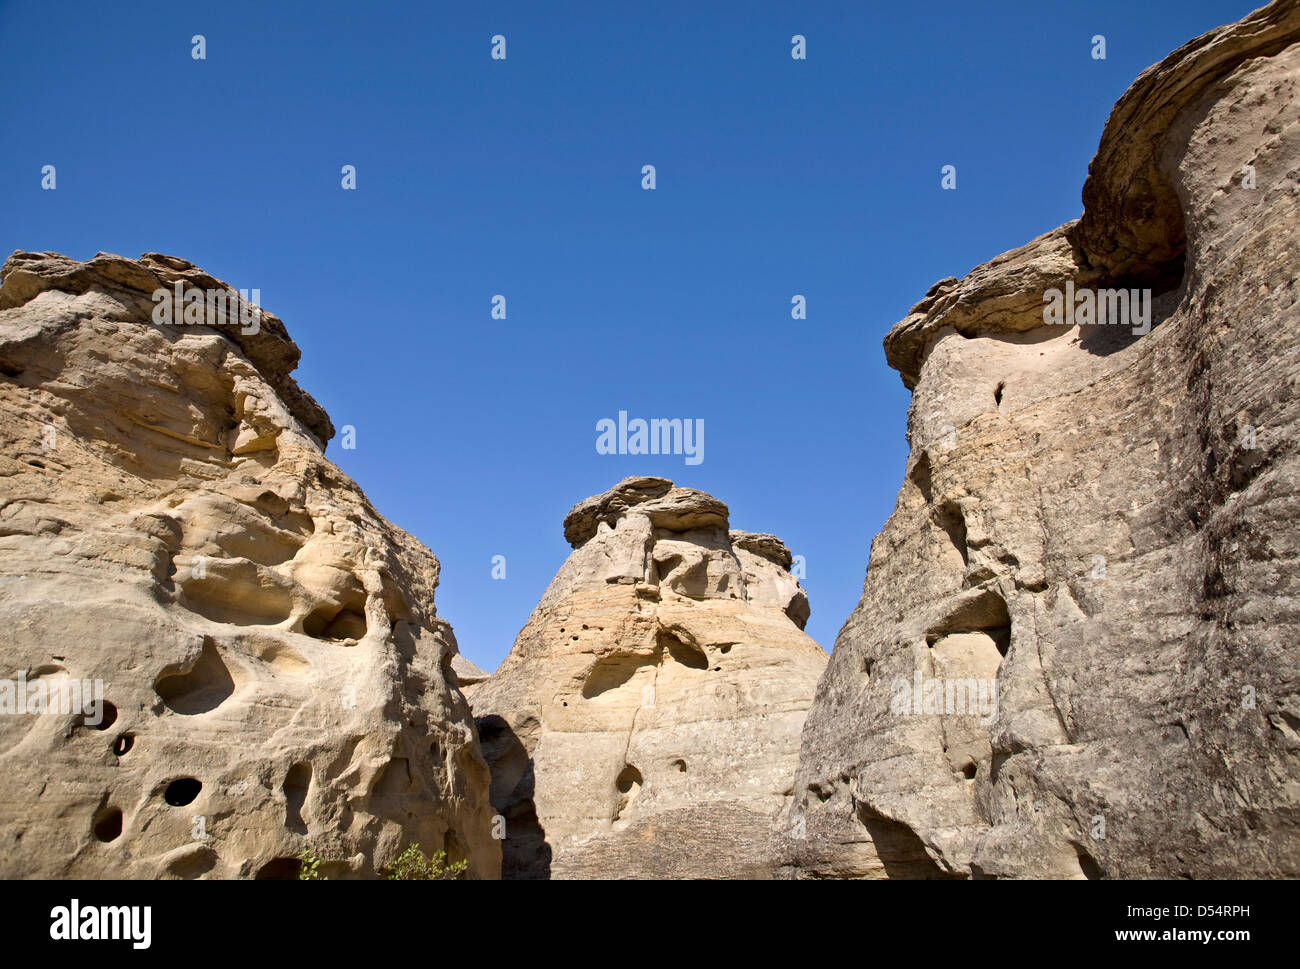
522	177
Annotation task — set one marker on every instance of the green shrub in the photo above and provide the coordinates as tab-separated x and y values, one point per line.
412	866
309	870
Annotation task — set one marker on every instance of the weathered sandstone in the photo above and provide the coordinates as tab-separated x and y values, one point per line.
646	723
1101	523
274	673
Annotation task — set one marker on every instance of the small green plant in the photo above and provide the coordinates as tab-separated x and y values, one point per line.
309	870
412	866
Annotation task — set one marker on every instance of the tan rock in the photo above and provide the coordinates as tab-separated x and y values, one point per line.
1099	523
274	674
646	723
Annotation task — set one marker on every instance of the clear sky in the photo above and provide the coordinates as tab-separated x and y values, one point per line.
523	177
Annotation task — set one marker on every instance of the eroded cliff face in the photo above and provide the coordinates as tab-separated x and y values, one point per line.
1097	527
646	723
273	671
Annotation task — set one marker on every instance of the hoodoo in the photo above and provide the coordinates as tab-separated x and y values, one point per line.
646	723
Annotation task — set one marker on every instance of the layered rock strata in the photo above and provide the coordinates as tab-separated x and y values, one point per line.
1076	652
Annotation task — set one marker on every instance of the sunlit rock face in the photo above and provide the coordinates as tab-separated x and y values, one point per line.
274	676
646	723
1096	527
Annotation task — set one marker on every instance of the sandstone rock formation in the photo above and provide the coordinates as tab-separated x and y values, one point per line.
646	723
1101	524
274	674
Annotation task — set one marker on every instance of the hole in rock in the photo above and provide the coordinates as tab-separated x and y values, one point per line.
287	516
235	591
205	686
492	729
296	783
37	464
107	824
506	756
611	672
680	765
337	622
182	791
969	771
628	779
278	870
628	784
192	865
997	392
107	717
984	612
823	790
682	652
1121	299
123	744
1087	865
454	847
97	718
968	663
1133	230
948	516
